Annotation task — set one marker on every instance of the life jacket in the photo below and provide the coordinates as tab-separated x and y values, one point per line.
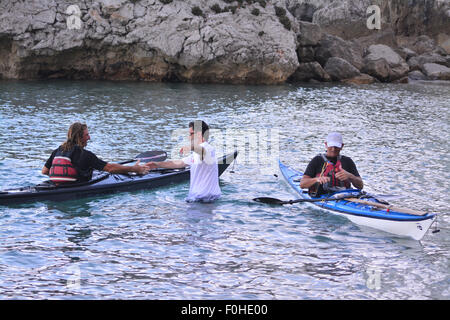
329	170
62	169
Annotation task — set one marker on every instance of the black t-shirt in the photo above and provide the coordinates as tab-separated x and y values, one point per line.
83	160
316	164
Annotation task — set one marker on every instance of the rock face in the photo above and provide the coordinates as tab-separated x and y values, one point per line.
347	18
412	34
225	41
332	46
146	40
340	69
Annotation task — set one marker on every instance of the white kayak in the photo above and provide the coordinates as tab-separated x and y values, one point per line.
366	210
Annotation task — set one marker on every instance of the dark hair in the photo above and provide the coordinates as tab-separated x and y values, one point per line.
74	136
198	125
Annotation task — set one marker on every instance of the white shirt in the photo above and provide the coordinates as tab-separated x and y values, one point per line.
204	185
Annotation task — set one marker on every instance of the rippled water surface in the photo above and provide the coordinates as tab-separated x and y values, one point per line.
151	244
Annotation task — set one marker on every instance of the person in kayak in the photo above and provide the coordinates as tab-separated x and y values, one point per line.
71	162
204	176
331	171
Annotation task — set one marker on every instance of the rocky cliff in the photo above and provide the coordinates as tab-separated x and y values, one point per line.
225	41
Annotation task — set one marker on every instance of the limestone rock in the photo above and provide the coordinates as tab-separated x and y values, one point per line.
147	40
416	63
378	69
435	71
331	46
384	63
309	70
424	44
310	34
406	53
416	75
347	18
306	54
360	79
380	51
340	69
155	41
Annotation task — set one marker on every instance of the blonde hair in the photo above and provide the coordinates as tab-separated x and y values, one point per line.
74	136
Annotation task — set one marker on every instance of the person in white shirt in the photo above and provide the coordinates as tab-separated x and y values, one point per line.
204	183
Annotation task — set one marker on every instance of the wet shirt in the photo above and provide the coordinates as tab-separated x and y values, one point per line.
83	160
204	183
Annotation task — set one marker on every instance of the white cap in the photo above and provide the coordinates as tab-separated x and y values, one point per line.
334	139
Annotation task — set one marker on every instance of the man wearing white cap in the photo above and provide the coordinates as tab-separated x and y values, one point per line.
330	171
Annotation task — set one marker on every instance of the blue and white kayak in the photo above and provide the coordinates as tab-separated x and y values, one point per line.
392	221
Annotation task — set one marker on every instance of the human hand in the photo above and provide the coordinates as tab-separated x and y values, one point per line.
185	150
322	179
151	165
141	169
342	174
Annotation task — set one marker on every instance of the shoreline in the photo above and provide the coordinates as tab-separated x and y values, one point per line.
233	42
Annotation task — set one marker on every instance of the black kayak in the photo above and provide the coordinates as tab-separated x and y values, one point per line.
103	183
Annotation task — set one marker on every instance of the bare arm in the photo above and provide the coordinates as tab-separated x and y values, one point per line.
307	182
118	168
170	164
345	175
356	181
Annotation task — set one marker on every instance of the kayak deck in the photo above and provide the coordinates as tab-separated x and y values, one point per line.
103	183
391	221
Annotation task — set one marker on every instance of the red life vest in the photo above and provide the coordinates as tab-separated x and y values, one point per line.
62	169
329	170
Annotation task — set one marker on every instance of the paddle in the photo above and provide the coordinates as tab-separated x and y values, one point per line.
147	156
343	196
269	200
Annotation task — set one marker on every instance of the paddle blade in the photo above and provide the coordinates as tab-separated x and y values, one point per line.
269	200
156	155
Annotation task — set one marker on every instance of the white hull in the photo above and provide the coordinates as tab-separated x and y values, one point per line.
413	229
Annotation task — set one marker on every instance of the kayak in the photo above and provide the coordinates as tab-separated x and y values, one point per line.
104	183
364	212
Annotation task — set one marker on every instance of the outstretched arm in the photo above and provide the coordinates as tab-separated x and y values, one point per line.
170	164
118	168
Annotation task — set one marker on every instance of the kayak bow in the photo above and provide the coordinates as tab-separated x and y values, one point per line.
104	183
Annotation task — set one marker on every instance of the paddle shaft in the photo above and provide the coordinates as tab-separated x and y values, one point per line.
347	198
269	200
